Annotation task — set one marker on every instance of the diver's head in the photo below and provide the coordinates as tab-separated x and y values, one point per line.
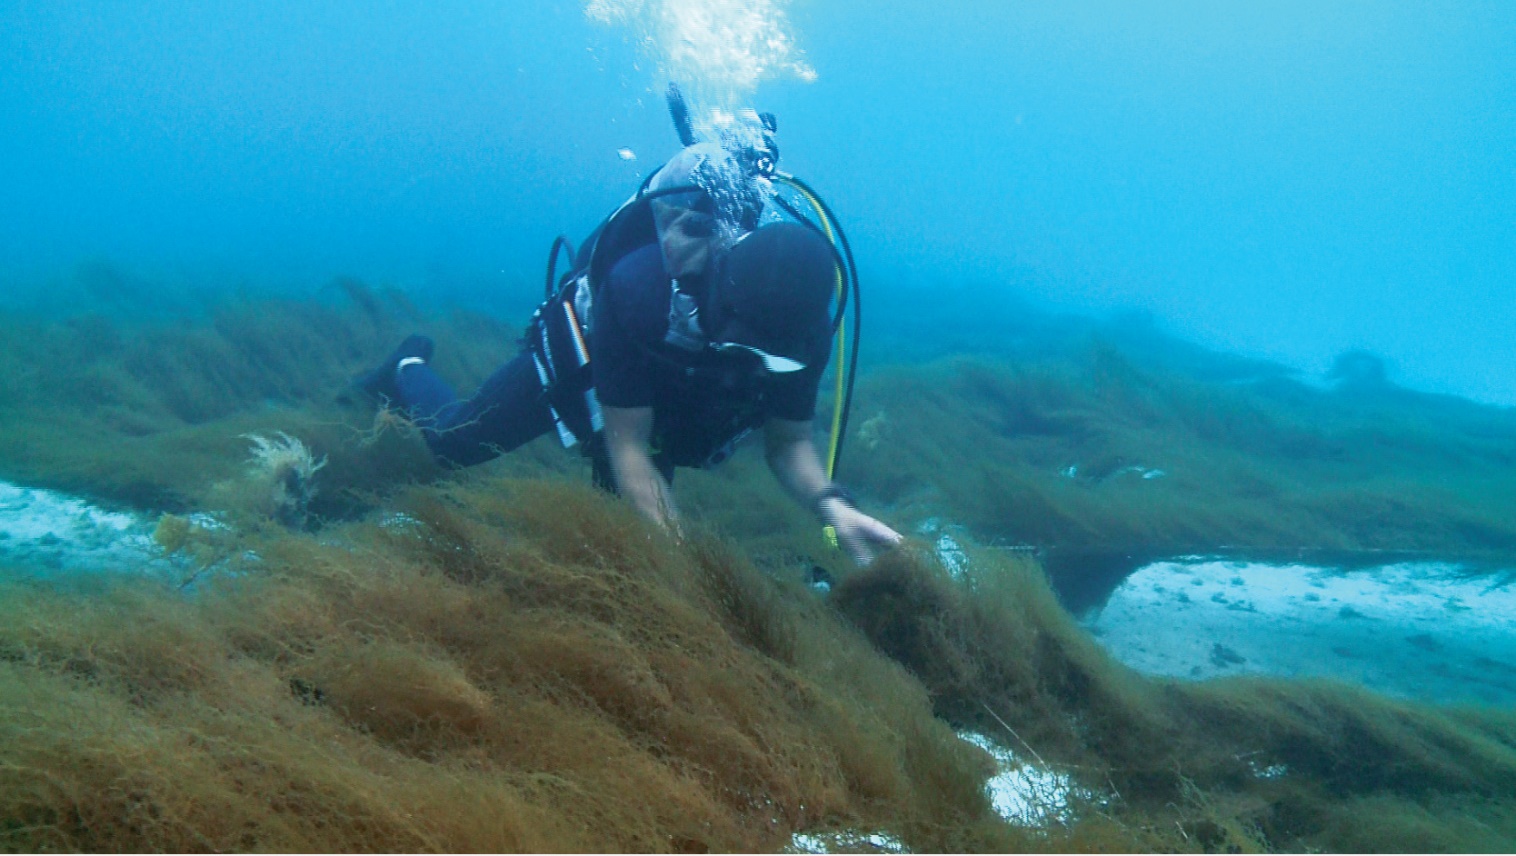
773	297
723	203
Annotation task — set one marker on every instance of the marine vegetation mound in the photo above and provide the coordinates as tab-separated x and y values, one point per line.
1237	765
1097	451
529	666
513	667
520	665
154	411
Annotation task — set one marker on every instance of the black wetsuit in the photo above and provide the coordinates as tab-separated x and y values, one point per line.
701	402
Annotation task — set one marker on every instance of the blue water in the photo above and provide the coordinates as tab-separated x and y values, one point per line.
1280	179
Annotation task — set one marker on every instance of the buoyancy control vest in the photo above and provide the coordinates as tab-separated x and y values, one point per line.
559	332
726	397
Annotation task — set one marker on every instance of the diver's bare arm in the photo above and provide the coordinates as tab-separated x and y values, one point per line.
795	461
793	458
627	433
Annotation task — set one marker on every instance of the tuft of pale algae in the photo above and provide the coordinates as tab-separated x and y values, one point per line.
874	430
288	469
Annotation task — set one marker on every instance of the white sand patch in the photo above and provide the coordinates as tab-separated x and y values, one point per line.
1024	794
1415	630
951	554
43	531
845	842
949	551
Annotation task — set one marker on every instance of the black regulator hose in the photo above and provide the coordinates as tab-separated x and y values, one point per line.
559	243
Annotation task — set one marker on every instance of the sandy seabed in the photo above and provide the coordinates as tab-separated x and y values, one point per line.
1415	630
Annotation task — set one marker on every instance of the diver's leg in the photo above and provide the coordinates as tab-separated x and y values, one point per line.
379	382
507	411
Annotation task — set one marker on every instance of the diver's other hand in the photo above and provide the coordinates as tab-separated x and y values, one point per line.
859	535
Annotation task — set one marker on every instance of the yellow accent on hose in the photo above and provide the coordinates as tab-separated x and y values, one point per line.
841	343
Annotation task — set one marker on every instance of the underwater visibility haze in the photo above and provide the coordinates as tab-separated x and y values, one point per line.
1287	180
1180	315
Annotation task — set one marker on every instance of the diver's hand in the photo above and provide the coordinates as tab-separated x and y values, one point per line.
859	535
628	431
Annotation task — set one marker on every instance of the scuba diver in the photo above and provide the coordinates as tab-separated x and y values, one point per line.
685	323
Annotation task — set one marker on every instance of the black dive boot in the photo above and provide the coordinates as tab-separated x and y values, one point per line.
380	382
